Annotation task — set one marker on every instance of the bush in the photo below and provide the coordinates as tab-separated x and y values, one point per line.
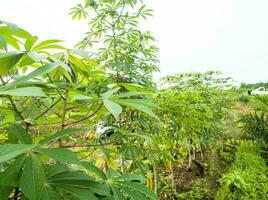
198	191
246	178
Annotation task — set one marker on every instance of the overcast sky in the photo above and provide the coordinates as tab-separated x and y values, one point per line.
193	35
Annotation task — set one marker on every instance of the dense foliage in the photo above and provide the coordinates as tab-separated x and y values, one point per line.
247	176
89	122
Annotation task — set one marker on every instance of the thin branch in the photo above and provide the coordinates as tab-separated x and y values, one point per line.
85	118
50	79
48	109
89	145
95	145
12	102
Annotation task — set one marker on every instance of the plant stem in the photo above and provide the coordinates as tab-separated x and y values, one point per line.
63	114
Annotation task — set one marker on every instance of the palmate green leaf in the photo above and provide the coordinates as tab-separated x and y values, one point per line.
49	193
92	168
109	93
130	177
12	41
3	43
144	102
9	60
59	135
25	91
14	31
37	73
117	194
45	43
26	60
11	26
5	192
132	86
30	41
32	178
129	94
136	104
9	151
78	179
11	175
52	46
55	169
140	188
17	131
37	57
69	177
80	193
99	188
133	194
113	108
61	155
79	63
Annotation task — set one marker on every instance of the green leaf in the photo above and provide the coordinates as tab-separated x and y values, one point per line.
130	177
37	57
99	188
133	194
55	169
79	63
12	26
12	41
92	168
113	108
141	188
11	175
117	194
108	94
3	42
32	178
30	42
18	132
132	86
37	73
80	193
9	115
61	155
25	91
51	46
5	192
49	193
69	177
59	135
142	102
9	151
129	94
136	104
46	43
78	179
9	60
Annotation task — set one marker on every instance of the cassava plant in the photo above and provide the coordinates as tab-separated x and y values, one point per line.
129	54
51	100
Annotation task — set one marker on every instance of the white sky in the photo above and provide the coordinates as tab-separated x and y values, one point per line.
193	35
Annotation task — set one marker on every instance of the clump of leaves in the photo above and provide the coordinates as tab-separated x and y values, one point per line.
198	191
254	124
247	176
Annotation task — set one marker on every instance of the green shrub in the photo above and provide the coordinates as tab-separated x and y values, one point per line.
198	191
246	178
